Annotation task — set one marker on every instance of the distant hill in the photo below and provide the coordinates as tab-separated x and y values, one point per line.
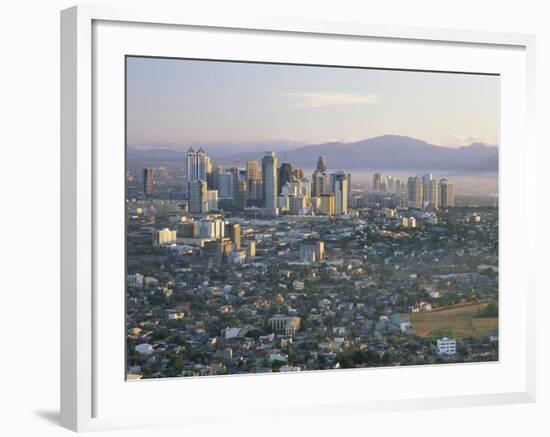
387	152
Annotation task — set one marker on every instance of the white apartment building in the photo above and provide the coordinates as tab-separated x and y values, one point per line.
446	346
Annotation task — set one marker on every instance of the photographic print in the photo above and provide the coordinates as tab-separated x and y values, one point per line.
290	218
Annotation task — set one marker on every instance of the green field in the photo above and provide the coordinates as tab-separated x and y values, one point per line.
458	322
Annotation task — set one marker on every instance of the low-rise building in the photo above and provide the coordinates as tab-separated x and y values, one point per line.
446	346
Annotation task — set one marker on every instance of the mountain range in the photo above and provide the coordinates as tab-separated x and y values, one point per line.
387	152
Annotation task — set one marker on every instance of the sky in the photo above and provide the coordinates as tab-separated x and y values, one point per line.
178	101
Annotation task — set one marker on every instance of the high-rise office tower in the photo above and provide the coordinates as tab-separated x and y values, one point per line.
269	182
340	190
254	183
415	192
225	185
212	200
320	179
235	173
319	184
213	177
321	165
399	186
390	184
327	204
446	194
298	173
198	196
253	171
349	189
148	182
285	175
431	193
191	165
198	165
377	182
254	191
240	189
203	164
426	178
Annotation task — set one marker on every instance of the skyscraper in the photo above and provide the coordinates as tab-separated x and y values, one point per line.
225	185
252	170
390	184
191	165
203	164
399	186
319	184
340	190
269	182
431	190
415	192
148	182
321	165
298	173
377	182
212	200
240	195
285	175
320	180
349	189
327	204
426	179
198	196
198	165
446	194
254	192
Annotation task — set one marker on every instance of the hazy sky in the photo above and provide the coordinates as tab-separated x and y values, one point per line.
173	101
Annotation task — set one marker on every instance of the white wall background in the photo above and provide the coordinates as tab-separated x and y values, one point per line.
29	213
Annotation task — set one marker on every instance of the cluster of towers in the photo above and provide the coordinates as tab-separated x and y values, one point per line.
387	184
266	185
262	184
426	192
421	191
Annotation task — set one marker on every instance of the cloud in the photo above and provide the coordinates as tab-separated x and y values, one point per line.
466	140
324	99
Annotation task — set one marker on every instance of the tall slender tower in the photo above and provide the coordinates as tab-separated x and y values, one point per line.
198	165
426	179
446	194
240	191
320	180
252	170
415	192
340	190
148	182
269	182
198	196
377	182
191	165
203	164
432	194
285	175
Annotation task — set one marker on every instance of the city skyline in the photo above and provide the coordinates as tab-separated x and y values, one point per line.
175	101
374	254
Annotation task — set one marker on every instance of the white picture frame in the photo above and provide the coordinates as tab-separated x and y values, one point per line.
85	384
